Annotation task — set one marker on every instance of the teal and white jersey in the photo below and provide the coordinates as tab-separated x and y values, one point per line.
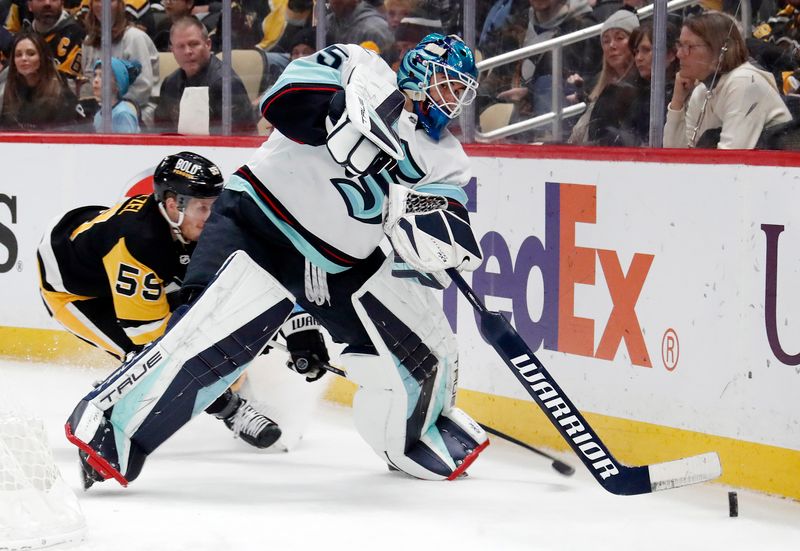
333	220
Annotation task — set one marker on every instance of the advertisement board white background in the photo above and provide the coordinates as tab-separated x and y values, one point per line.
700	226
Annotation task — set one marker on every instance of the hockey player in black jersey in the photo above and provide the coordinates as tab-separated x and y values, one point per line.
111	276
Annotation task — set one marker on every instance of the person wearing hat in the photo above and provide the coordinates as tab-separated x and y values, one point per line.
124	113
303	43
615	84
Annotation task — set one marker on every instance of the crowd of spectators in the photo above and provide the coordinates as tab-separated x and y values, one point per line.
724	88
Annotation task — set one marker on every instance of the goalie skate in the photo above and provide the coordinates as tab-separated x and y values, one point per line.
103	452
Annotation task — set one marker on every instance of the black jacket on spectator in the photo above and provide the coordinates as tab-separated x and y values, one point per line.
43	113
243	120
621	115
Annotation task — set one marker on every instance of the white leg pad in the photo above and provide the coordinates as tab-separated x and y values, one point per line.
405	388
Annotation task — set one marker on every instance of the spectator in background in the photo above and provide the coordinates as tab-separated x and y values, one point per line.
191	47
249	21
35	97
61	31
138	12
503	30
775	44
743	102
357	22
303	43
409	33
550	19
174	10
504	27
127	42
621	114
637	118
16	12
6	40
396	10
280	28
124	113
618	69
604	8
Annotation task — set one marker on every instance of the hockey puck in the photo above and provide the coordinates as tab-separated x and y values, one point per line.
733	504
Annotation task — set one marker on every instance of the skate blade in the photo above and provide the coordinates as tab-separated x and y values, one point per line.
468	461
94	460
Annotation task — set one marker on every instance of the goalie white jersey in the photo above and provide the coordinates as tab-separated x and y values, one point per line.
334	220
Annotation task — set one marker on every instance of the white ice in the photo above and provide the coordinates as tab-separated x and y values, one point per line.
203	490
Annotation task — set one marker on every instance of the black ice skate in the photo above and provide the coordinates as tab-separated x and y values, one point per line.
248	424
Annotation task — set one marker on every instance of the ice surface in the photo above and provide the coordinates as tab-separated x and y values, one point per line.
203	490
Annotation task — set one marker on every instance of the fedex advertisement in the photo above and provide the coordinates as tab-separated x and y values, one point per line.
660	291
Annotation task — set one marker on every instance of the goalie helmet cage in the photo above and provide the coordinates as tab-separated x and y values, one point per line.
37	508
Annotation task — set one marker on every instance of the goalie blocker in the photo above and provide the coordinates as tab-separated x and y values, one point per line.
359	124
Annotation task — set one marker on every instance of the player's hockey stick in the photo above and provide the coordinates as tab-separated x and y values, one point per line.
610	474
557	464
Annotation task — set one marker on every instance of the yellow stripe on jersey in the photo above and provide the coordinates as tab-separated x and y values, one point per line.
137	292
137	8
274	24
60	304
148	332
102	217
13	22
71	64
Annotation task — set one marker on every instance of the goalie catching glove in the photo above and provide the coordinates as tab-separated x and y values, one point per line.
359	124
305	345
431	232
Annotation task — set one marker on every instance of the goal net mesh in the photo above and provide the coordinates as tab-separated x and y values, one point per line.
37	509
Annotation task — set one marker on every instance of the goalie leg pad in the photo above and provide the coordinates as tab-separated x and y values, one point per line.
408	389
150	397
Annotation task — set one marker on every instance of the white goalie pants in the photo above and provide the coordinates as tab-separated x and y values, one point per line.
404	407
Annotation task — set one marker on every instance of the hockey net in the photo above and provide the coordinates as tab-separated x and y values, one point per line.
37	508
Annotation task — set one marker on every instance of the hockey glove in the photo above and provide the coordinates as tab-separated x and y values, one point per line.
430	232
359	124
306	346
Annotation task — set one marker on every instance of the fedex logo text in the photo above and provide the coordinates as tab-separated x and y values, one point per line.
563	265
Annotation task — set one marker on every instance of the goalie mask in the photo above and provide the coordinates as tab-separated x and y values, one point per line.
440	77
185	175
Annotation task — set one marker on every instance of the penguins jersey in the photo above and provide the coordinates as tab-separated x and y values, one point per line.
65	39
125	253
334	220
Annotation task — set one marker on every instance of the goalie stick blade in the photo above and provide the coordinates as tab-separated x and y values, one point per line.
612	475
683	472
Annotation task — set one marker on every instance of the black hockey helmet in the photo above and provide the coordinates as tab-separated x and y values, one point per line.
186	175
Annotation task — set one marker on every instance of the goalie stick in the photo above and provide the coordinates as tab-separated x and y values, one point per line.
612	475
557	464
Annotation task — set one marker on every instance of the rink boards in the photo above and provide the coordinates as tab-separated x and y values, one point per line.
659	287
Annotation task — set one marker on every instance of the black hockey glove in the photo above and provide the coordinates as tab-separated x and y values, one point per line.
306	346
